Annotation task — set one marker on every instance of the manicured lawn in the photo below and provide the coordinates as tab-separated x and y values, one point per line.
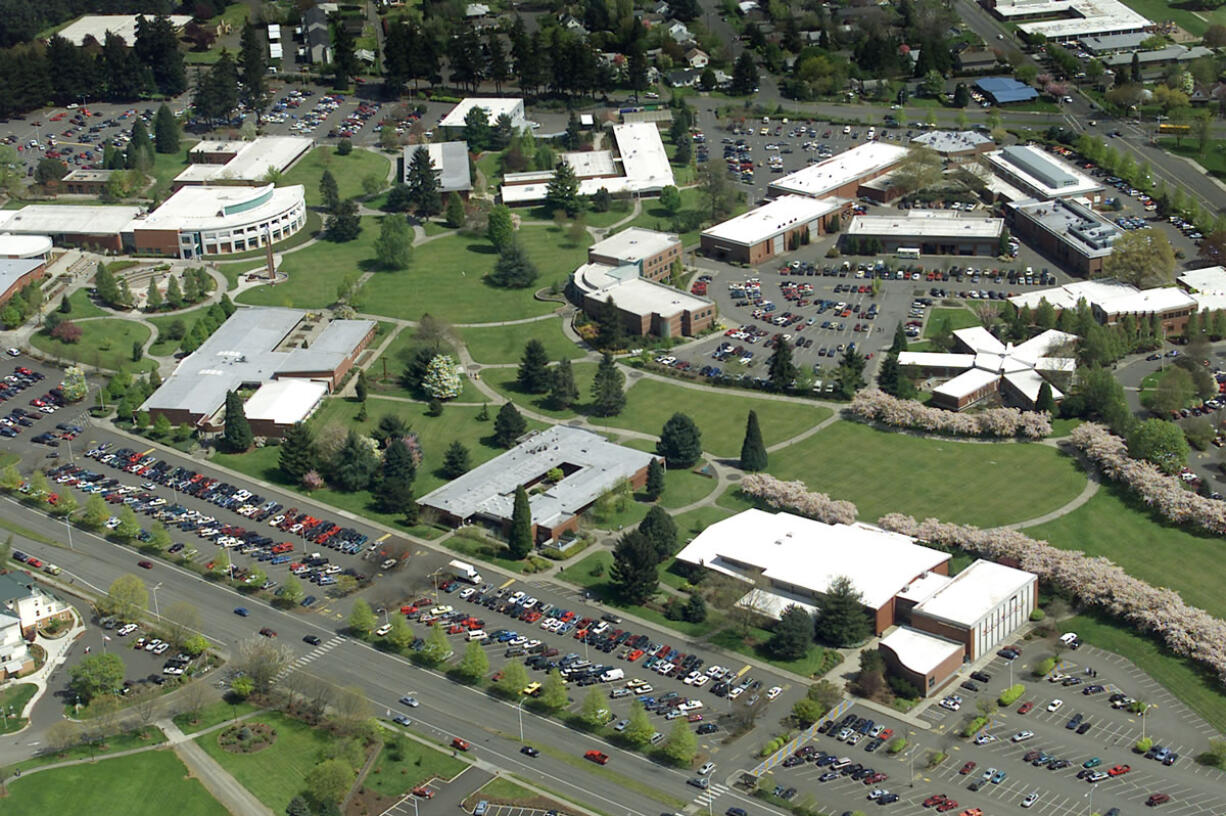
503	380
506	791
971	483
1193	22
82	306
719	415
446	279
162	344
958	319
168	165
14	698
347	170
212	714
695	521
316	272
1063	427
476	546
1182	677
113	745
392	362
105	343
138	785
274	775
417	763
505	344
1115	525
685	486
816	661
654	216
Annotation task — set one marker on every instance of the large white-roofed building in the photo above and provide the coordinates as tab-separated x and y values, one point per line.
494	106
778	226
25	246
1073	19
932	232
276	406
1110	300
925	660
1069	232
841	176
205	221
985	366
1042	174
96	226
95	27
590	467
652	252
980	608
237	162
644	306
786	559
1207	286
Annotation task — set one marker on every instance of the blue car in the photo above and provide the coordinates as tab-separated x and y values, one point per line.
241	611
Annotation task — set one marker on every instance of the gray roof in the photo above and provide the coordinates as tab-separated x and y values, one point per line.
1115	42
450	161
489	489
244	351
11	269
1036	164
14	586
951	141
1172	53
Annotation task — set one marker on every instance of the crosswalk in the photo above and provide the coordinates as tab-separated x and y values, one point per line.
316	653
704	799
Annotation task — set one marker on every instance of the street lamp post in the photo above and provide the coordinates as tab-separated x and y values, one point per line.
520	708
156	612
68	526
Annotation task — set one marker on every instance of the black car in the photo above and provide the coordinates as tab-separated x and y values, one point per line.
970	685
982	677
311	639
1084	727
528	750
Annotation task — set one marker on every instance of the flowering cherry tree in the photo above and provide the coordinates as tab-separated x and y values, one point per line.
795	497
874	405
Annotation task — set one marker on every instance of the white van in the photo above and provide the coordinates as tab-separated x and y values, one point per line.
611	675
1069	638
841	764
477	634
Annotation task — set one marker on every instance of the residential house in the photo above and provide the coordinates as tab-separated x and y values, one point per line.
316	36
23	598
680	33
15	657
682	78
697	58
475	11
572	24
976	59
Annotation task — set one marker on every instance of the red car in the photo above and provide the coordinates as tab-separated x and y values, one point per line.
1157	799
598	757
459	744
145	564
886	734
1024	708
967	768
1119	770
423	792
948	804
935	799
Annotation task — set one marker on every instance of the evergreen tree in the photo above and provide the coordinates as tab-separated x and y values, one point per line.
253	62
562	192
680	441
296	455
157	47
782	371
563	393
394	246
513	269
455	460
237	434
841	619
745	74
166	130
533	376
344	58
355	464
608	395
695	609
611	334
477	129
455	211
509	425
500	229
660	529
423	184
634	574
753	450
217	91
1046	402
519	542
174	295
573	138
395	485
792	634
329	192
655	480
153	296
900	339
344	224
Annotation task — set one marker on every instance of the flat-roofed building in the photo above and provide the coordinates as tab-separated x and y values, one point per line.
980	608
16	273
644	306
1068	232
928	662
86	182
651	252
785	559
234	162
1113	43
494	107
955	146
96	26
204	221
841	176
95	226
1110	300
278	405
589	464
1006	90
1074	19
25	246
1042	174
1207	286
932	232
450	160
780	225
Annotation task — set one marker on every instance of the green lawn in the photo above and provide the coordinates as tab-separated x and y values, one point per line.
505	344
316	271
82	306
503	380
163	345
971	483
1184	678
212	714
816	661
695	521
105	343
392	361
14	698
446	279
274	775
719	415
1158	10
958	319
474	545
168	165
404	764
126	741
654	216
1115	525
137	785
347	170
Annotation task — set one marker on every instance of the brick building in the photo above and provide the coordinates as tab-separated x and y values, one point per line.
86	182
1070	233
778	226
645	307
653	253
841	176
16	273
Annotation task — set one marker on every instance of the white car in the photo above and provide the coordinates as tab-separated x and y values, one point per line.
126	629
706	769
1030	799
701	680
983	738
1022	736
1054	705
773	692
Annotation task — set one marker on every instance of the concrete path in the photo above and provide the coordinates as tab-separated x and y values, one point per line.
217	780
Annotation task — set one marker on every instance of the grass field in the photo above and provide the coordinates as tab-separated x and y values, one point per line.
816	660
213	714
168	165
719	415
274	775
82	306
446	279
393	359
971	483
416	764
958	319
695	521
654	216
505	344
14	698
347	170
1115	525
105	343
316	272
163	345
137	785
1193	22
503	381
126	741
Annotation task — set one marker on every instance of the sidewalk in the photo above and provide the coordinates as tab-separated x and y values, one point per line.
217	780
57	653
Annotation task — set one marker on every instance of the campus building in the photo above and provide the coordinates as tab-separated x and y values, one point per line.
15	655
85	182
1041	174
254	347
652	253
95	227
932	232
1068	232
589	467
778	226
1065	20
644	306
96	26
494	107
25	246
237	162
955	146
24	598
841	176
450	160
202	221
1110	300
982	366
16	273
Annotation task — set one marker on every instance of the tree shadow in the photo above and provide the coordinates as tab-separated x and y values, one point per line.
481	249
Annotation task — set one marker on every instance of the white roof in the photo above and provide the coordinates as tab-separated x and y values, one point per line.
208	208
1206	279
634	244
1149	301
852	165
951	141
588	163
523	193
975	592
950	226
285	401
967	383
1047	175
989	360
935	359
1083	17
809	554
253	160
644	161
494	106
919	651
122	25
1067	296
56	219
274	31
24	246
1030	382
633	293
275	51
923	586
773	218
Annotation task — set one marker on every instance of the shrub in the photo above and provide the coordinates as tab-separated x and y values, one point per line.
1044	668
896	745
877	406
1143	745
1012	694
1037	615
972	727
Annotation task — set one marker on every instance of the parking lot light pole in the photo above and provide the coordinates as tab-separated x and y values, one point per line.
520	708
156	613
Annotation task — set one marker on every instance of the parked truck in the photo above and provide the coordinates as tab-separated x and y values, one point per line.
465	572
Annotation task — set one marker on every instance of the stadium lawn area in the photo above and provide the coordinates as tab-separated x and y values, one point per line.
212	714
958	319
1114	525
135	785
505	344
162	344
105	343
987	484
316	271
347	170
1184	678
274	775
82	306
417	764
446	279
720	415
503	381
